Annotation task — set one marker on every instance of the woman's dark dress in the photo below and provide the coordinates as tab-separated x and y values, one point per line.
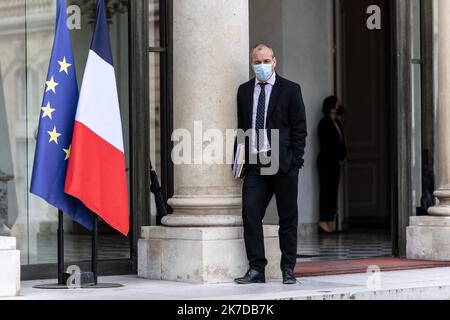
332	151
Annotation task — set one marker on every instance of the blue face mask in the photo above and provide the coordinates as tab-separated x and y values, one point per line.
263	72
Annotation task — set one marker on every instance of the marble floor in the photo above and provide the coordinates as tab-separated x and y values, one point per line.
354	244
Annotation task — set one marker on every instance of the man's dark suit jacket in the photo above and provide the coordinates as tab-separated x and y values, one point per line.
286	112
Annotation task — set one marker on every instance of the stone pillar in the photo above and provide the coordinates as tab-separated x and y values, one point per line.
428	237
202	241
443	194
210	57
9	267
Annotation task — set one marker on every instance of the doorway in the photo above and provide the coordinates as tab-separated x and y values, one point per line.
364	84
326	47
363	77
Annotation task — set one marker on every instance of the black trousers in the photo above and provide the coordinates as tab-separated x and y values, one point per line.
257	191
329	174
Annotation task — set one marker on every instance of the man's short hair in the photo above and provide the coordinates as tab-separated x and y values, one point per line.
261	46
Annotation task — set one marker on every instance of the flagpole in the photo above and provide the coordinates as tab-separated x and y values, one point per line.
94	247
60	247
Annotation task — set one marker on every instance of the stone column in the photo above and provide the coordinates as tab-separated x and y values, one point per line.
202	241
443	194
428	237
210	58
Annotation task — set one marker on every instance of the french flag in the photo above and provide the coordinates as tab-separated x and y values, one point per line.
96	172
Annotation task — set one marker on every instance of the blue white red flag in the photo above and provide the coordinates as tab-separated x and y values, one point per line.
96	173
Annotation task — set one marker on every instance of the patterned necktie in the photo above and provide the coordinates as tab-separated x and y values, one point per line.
260	115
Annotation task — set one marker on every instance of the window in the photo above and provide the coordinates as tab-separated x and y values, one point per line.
416	112
159	102
26	39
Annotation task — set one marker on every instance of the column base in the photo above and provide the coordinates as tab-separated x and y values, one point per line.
201	220
443	208
201	255
9	267
428	238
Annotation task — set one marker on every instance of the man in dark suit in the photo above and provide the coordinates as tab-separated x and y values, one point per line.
266	104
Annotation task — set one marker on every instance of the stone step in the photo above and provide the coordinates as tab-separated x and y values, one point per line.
424	284
432	292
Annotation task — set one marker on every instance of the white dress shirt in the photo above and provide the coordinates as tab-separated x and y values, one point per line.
268	90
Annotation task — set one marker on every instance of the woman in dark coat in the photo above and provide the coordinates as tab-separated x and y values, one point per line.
332	156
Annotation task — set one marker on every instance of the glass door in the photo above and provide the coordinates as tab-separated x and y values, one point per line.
159	102
154	58
416	98
26	38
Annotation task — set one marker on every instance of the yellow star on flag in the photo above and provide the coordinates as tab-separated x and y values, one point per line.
51	85
67	151
64	66
54	135
48	110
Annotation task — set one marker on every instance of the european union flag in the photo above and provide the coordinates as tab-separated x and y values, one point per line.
56	124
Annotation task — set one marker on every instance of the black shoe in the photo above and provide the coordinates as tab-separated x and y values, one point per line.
288	277
252	276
